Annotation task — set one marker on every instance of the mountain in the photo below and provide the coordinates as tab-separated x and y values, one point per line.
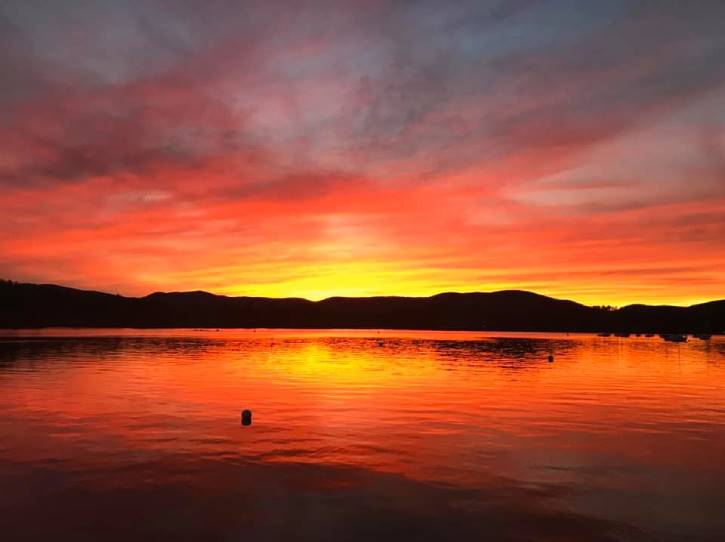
47	305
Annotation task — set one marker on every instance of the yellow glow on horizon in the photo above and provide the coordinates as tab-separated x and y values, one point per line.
317	282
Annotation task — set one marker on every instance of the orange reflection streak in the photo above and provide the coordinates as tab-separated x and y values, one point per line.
409	403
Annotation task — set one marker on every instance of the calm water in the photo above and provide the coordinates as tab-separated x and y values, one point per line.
360	435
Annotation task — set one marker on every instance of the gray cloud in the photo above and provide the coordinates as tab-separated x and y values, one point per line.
108	88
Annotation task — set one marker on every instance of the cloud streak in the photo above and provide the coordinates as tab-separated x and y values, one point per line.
323	148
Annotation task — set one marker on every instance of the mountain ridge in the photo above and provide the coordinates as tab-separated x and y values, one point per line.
51	305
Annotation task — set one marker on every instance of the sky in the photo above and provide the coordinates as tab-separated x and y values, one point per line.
313	148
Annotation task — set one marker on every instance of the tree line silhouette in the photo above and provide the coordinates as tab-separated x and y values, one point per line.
43	305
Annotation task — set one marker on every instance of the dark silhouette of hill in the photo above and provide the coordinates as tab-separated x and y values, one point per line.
45	305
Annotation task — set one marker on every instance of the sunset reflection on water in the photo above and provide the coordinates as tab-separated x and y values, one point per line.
118	434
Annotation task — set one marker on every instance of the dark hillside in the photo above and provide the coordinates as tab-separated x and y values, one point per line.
43	305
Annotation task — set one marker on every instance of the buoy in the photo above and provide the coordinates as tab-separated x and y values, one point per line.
246	417
551	359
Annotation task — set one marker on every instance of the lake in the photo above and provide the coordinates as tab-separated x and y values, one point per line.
360	435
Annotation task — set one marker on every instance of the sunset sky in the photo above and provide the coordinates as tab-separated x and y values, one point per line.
312	148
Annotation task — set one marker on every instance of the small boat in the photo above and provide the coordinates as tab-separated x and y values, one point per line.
622	334
649	335
674	337
604	334
703	336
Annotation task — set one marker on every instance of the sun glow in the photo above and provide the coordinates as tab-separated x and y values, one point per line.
334	166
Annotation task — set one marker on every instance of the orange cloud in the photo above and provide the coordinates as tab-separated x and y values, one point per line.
381	149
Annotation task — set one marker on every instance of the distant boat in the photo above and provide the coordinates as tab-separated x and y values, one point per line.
703	336
650	335
674	337
604	334
622	334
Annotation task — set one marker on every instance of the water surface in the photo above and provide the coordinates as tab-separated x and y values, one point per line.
359	435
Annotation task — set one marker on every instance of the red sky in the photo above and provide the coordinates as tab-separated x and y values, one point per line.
355	148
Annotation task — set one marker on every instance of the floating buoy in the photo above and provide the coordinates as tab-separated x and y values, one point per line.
551	359
246	417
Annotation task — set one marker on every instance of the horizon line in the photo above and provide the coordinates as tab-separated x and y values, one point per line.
449	292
